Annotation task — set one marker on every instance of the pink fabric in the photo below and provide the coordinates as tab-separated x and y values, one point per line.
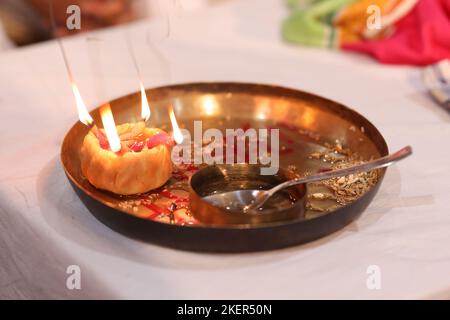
420	38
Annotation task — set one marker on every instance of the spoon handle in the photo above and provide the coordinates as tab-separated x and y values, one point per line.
364	167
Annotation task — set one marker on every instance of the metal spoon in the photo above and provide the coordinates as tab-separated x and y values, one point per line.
247	200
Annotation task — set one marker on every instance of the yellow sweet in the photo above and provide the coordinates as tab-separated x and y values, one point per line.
126	172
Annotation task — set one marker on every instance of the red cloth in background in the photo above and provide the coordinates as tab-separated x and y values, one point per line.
422	37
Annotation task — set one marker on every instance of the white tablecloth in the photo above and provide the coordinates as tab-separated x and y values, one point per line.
44	228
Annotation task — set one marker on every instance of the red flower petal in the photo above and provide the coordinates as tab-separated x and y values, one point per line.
157	139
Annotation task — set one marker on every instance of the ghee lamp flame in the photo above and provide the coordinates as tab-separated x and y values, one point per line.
145	108
83	114
177	134
110	128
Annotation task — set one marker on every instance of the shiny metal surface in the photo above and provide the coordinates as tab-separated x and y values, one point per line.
221	178
247	200
230	105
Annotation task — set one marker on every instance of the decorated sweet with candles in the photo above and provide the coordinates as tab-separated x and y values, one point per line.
129	158
143	162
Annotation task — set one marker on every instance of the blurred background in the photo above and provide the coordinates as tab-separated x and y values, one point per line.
24	22
405	32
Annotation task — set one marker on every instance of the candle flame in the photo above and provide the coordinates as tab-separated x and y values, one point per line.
83	114
177	135
110	128
145	108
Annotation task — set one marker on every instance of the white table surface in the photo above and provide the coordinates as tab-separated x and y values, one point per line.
44	227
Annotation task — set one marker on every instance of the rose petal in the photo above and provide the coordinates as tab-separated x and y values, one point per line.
157	139
103	141
137	146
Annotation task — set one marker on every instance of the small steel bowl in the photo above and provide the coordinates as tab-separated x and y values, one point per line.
223	178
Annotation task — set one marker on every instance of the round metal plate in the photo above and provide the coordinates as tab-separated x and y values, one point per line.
232	105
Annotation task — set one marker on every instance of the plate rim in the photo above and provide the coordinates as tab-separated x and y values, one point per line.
235	84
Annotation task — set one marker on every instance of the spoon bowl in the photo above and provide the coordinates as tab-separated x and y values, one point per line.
233	200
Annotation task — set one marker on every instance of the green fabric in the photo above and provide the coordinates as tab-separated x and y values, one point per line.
310	21
299	4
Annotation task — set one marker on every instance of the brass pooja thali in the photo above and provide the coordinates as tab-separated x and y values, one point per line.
316	134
